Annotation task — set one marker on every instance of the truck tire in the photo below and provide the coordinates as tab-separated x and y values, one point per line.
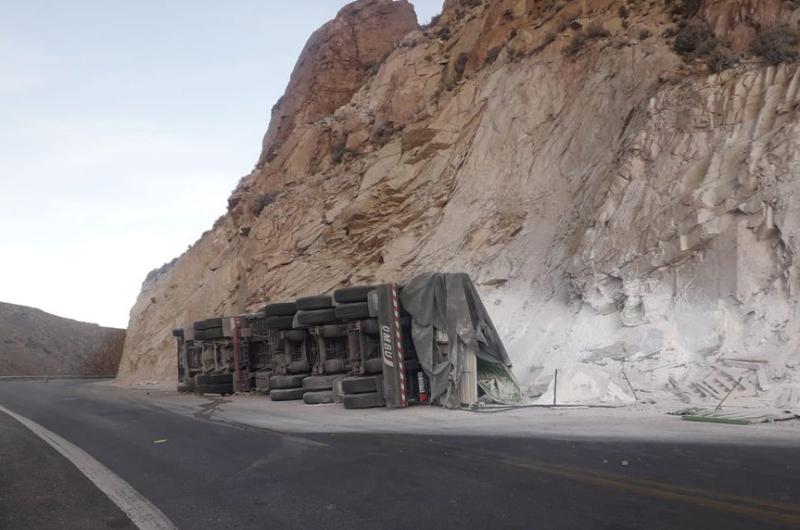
213	333
359	385
282	382
318	398
371	326
316	317
349	295
334	366
311	303
286	394
283	322
298	367
219	379
222	390
358	311
374	366
332	331
212	323
316	383
362	401
285	309
295	335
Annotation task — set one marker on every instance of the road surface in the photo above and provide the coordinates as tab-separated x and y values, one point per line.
205	474
41	489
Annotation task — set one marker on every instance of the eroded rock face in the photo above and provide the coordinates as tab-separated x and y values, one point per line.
738	21
334	64
617	206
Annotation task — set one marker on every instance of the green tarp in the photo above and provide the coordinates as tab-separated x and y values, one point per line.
449	302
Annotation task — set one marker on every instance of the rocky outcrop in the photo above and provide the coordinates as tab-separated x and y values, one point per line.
33	342
334	64
738	21
618	205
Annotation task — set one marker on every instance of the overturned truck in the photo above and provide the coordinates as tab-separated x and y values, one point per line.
428	341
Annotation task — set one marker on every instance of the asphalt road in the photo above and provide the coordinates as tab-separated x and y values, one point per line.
41	489
213	475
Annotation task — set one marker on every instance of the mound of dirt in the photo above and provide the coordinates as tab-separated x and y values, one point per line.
33	342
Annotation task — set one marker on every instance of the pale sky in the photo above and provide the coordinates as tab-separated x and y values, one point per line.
124	126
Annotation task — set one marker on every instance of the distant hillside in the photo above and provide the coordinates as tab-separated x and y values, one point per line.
33	342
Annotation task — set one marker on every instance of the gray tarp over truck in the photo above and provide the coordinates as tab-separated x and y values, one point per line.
450	303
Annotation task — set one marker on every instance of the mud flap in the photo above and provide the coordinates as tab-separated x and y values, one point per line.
394	384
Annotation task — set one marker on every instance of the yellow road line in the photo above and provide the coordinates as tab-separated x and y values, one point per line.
760	509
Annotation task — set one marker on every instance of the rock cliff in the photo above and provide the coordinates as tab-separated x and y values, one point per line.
334	64
618	177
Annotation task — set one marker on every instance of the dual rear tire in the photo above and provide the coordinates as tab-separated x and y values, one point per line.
319	397
286	387
319	389
221	384
362	393
370	400
286	394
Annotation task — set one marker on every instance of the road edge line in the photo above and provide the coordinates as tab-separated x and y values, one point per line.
142	513
53	377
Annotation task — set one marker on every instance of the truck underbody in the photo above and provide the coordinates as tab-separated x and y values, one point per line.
356	346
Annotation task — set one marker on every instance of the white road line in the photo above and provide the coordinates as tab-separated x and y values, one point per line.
140	511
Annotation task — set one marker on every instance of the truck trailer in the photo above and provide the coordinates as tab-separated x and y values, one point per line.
364	346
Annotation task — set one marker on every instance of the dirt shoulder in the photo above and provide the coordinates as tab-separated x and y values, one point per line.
646	423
